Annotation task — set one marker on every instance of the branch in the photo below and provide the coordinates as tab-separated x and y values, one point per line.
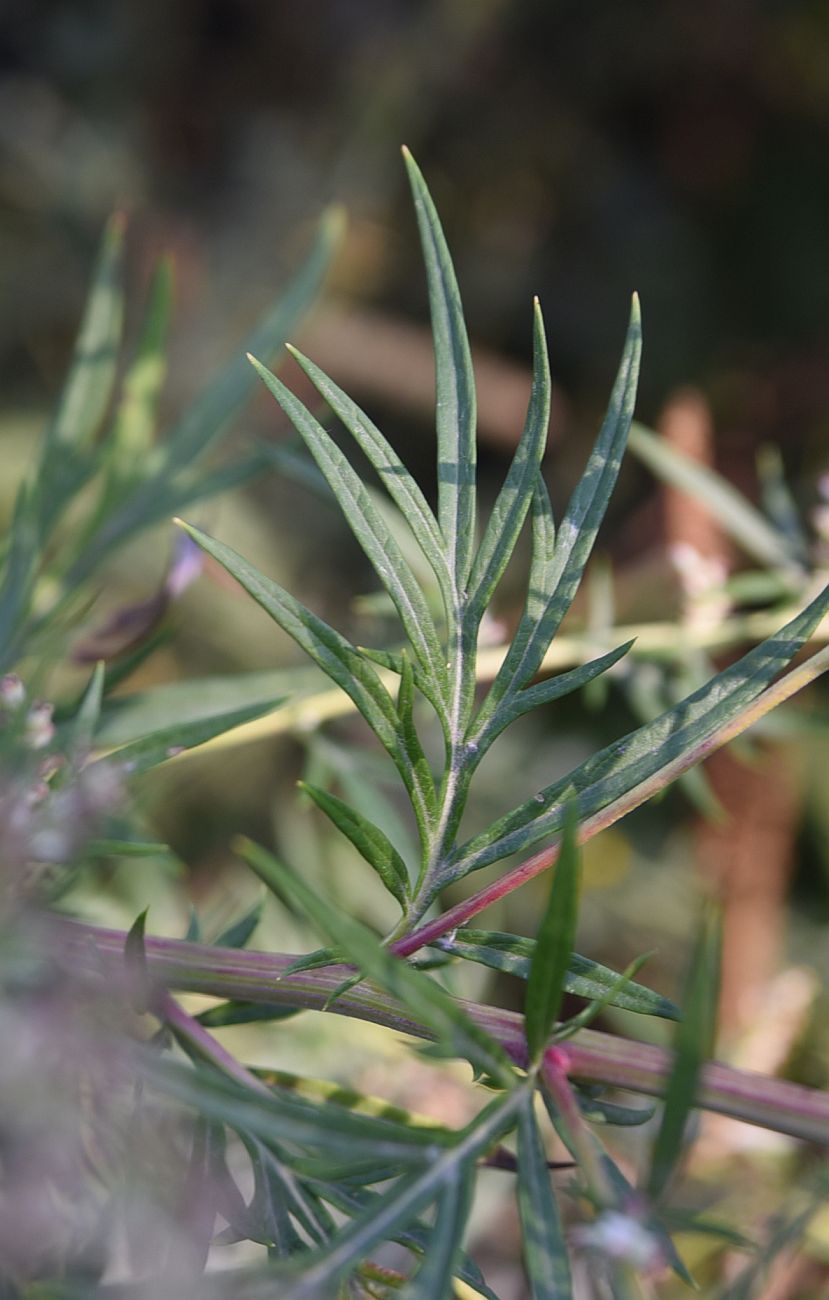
593	1056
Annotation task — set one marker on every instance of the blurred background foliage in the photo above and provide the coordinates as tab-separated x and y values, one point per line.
574	151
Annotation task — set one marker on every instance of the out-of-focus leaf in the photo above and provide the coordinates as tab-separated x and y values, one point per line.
694	1046
554	944
433	1280
735	515
135	419
545	1250
19	570
238	934
85	721
242	1013
135	961
140	755
454	387
281	1117
129	717
584	978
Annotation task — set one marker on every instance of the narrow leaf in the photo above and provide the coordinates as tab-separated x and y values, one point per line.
369	841
207	417
621	766
584	978
454	386
433	1280
578	529
694	1046
135	421
85	721
396	479
516	495
238	934
368	527
554	945
735	515
453	1030
336	656
545	1250
168	742
545	692
88	387
135	961
243	1013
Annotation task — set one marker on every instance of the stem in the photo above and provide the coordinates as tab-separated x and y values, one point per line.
593	1056
662	641
195	1037
769	699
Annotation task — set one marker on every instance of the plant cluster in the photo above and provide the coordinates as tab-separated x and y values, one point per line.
319	1184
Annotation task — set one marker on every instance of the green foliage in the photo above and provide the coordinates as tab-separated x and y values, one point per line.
331	1179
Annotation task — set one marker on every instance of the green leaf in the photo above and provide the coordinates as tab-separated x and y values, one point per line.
129	717
401	1203
113	848
135	962
545	1250
336	656
243	1013
584	978
454	387
423	781
207	417
394	476
134	427
554	944
454	1031
515	497
369	841
89	386
352	1200
433	1280
576	534
694	1046
621	766
140	755
735	515
85	721
238	934
545	692
368	527
19	571
281	1117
